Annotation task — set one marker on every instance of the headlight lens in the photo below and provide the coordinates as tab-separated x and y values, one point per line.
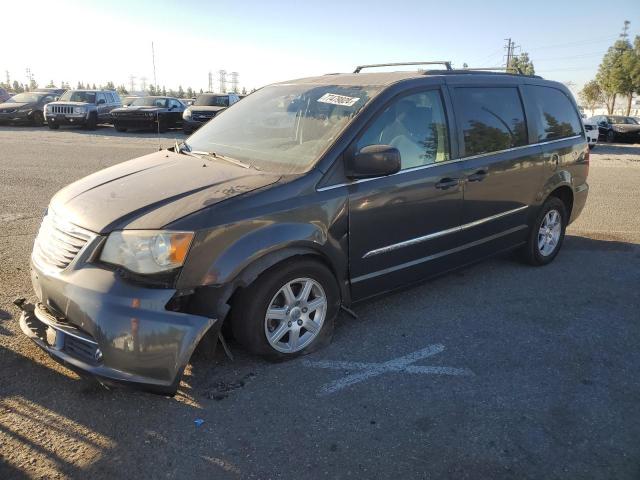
186	114
147	251
79	109
49	107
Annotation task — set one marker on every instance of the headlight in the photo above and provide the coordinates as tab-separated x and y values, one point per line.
49	107
147	251
79	110
187	114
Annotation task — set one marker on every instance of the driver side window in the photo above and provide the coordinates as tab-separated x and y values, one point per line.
415	125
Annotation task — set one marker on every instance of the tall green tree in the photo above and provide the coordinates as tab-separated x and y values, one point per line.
591	95
631	67
522	63
122	90
17	87
190	93
612	74
51	84
180	93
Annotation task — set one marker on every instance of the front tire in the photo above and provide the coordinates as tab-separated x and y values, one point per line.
53	126
611	136
288	311
547	234
92	123
119	128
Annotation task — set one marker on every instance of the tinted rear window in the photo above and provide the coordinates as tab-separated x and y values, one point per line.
553	112
492	119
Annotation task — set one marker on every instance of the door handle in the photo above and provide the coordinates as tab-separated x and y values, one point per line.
477	176
447	183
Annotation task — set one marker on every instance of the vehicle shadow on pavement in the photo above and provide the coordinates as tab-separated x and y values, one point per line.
53	423
617	149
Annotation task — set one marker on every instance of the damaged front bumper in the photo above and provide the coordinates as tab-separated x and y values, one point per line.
92	321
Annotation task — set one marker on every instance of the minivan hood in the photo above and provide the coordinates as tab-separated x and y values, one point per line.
152	191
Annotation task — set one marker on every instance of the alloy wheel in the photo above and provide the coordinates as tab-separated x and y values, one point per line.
549	233
295	315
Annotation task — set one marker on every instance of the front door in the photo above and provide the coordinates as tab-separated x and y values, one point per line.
403	227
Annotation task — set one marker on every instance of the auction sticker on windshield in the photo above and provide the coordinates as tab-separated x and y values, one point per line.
335	99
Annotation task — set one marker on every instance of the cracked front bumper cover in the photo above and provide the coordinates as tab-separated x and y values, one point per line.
93	322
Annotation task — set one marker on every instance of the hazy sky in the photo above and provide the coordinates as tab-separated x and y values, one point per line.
268	41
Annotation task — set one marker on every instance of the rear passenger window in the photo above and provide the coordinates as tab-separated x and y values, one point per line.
554	114
492	119
416	126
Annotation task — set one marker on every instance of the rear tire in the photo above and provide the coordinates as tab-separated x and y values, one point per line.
119	128
277	322
547	233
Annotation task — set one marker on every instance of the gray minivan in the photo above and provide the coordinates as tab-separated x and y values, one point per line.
306	197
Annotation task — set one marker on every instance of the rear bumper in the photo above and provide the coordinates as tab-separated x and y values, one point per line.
580	194
93	322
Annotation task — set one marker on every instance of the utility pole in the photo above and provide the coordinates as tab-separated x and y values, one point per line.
222	74
234	82
153	58
132	84
8	77
210	90
509	47
143	84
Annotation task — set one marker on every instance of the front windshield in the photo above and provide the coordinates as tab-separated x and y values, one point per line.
212	101
622	120
78	96
149	102
282	128
25	98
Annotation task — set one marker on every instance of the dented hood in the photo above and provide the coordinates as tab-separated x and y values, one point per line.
152	191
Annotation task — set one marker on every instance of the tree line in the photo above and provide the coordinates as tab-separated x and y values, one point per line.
17	87
618	76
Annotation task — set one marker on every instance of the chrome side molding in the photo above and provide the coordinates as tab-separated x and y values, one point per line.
441	233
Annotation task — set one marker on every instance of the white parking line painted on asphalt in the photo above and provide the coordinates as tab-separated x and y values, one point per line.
369	370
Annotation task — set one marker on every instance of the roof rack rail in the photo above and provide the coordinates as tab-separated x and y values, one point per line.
515	70
446	63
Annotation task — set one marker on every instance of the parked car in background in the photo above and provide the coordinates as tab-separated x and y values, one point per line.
188	101
155	113
26	108
617	128
82	107
4	95
129	99
206	106
320	192
592	132
54	90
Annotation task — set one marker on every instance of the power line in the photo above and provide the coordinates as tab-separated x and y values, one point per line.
568	44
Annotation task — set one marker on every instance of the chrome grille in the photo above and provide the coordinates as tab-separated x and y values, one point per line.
58	242
61	109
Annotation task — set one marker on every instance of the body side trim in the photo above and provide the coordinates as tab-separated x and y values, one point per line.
436	255
441	233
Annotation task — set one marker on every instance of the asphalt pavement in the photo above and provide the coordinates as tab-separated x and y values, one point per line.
497	371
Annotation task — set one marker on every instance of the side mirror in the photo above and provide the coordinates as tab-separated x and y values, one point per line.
373	161
102	101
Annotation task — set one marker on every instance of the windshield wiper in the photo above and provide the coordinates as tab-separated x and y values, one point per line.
224	157
184	149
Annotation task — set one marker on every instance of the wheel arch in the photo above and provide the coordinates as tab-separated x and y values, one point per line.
565	194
